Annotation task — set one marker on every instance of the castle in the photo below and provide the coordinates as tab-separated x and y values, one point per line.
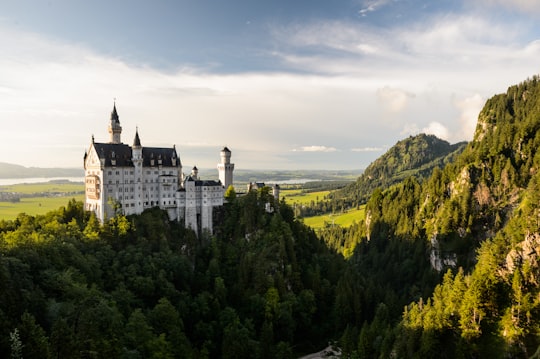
130	179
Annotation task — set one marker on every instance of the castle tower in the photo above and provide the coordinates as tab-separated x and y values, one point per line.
226	168
137	159
195	173
115	130
275	191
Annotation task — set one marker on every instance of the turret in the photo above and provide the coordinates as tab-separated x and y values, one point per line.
137	159
137	148
195	173
115	130
226	168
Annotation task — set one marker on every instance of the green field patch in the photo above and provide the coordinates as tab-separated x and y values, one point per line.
45	187
34	206
38	198
299	197
345	219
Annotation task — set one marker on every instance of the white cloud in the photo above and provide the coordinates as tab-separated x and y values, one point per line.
526	6
315	149
367	149
432	128
437	129
392	99
371	6
469	109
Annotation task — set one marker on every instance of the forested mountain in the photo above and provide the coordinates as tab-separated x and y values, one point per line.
414	156
478	218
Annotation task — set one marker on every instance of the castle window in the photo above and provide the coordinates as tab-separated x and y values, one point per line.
109	173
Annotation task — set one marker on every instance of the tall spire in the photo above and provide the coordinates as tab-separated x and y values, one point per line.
115	130
137	140
114	114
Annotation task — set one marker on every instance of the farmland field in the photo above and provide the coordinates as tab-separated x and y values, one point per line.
39	198
342	219
299	197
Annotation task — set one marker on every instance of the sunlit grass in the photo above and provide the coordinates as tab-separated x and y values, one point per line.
49	187
34	206
342	219
39	204
299	197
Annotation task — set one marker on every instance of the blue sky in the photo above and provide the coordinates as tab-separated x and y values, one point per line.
306	84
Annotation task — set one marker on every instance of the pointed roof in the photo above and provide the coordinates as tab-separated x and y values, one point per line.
114	114
225	149
137	140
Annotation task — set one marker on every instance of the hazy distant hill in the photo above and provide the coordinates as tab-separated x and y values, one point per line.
8	170
272	176
414	156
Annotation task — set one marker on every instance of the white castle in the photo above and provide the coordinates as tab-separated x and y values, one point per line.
134	178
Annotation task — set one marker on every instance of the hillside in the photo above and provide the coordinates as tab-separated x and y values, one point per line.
473	221
414	156
8	170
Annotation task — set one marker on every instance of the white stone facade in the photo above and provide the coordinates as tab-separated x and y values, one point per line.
130	179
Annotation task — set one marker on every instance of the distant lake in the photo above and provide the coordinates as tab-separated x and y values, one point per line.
10	181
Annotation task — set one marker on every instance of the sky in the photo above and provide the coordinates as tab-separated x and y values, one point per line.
305	84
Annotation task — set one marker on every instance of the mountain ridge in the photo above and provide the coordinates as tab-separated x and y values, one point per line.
10	170
413	156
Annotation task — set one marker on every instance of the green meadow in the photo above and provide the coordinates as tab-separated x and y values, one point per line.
343	219
297	196
39	198
45	187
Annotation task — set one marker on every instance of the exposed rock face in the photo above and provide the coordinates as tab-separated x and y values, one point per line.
439	260
526	251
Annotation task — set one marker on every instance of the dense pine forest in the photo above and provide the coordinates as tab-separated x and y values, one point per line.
443	265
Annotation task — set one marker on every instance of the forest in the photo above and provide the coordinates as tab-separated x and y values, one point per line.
443	264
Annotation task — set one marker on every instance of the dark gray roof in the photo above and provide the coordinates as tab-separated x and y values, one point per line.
137	140
122	154
159	153
119	152
225	149
207	183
